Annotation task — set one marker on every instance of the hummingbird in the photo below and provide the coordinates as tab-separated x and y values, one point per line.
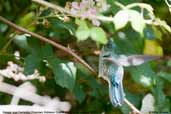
111	68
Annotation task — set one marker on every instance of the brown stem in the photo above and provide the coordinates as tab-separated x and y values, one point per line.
44	39
69	51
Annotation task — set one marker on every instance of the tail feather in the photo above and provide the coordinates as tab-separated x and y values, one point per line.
116	94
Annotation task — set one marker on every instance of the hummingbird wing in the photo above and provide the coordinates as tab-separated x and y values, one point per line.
135	60
116	92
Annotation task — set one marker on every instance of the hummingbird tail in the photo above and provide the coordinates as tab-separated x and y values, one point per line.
116	94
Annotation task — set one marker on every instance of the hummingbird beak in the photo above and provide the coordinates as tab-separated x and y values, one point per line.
109	59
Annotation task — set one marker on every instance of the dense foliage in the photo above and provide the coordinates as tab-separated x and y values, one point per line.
133	27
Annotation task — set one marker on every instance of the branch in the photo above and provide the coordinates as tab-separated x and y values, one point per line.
119	5
133	108
56	45
141	5
44	39
169	5
55	7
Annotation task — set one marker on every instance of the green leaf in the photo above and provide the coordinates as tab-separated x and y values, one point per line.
161	103
98	35
38	54
32	62
79	93
158	33
21	41
165	75
79	21
83	32
137	21
142	74
3	27
47	51
45	12
121	19
27	19
65	73
58	25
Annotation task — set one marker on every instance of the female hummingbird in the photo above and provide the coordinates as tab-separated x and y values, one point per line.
111	64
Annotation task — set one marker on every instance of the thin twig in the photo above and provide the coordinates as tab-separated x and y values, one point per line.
56	45
120	5
135	110
44	3
141	5
169	5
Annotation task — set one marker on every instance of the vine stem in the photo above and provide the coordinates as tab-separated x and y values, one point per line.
44	3
59	46
169	5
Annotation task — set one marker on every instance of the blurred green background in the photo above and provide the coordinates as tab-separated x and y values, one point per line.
85	92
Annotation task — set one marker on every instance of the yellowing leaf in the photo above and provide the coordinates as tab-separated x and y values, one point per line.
152	47
121	19
27	20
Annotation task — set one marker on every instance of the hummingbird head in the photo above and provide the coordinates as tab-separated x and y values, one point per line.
106	52
108	49
110	44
